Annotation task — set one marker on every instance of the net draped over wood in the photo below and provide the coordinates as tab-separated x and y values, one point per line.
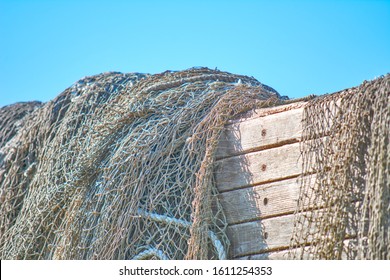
345	178
120	166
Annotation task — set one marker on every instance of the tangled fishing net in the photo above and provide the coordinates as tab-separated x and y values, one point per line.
344	204
120	166
12	119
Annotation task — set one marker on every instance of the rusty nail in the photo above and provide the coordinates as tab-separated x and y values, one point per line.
263	167
264	132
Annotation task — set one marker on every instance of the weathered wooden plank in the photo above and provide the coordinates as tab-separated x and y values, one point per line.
263	201
258	167
260	133
260	236
262	112
268	127
348	253
264	236
273	255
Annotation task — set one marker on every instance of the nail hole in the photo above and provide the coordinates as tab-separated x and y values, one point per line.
263	167
265	235
265	201
264	132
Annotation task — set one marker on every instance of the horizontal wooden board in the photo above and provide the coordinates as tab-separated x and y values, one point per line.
262	112
249	238
275	255
263	201
260	133
264	236
284	254
258	167
269	127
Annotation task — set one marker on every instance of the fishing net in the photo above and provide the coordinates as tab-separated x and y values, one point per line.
344	204
11	119
120	166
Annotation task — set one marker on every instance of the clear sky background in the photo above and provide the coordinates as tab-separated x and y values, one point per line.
297	47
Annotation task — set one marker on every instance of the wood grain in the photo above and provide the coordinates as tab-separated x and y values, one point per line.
267	235
263	201
258	167
261	133
260	236
284	254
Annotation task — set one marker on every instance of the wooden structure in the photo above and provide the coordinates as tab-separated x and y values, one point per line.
258	165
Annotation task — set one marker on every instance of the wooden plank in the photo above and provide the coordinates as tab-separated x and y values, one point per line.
275	255
260	236
258	167
260	133
263	201
268	127
348	253
264	236
262	112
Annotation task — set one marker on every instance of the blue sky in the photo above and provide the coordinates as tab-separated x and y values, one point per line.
297	47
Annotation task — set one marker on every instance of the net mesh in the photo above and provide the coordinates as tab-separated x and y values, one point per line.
344	203
120	166
11	119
